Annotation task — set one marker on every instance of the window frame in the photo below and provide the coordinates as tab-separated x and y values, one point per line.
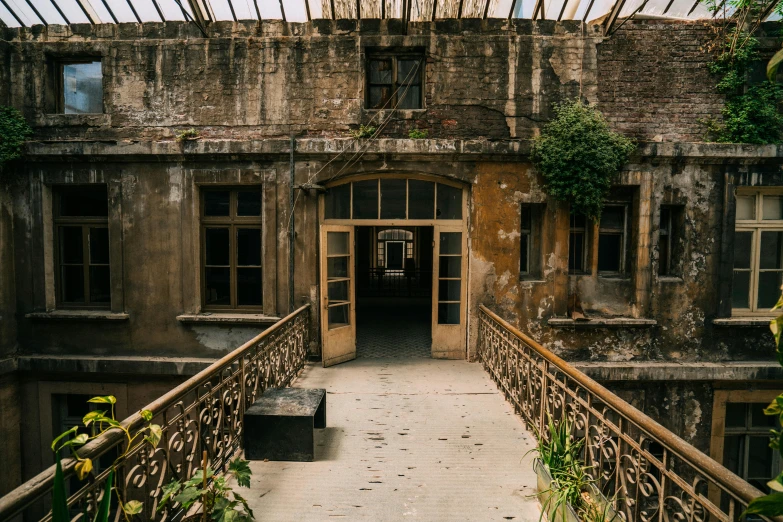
755	226
395	57
585	231
85	223
622	232
232	222
526	233
747	432
59	83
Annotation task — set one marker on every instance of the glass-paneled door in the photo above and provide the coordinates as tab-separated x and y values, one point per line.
449	334
338	310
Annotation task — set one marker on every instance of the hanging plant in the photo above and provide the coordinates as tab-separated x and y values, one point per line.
13	131
579	156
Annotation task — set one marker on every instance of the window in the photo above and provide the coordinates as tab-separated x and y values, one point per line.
758	251
612	239
746	449
530	240
81	215
231	248
670	227
395	248
391	198
577	244
80	87
394	80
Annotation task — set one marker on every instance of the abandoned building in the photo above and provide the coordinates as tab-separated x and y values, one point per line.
200	170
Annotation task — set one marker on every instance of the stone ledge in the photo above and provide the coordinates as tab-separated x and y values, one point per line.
611	322
742	321
130	365
78	315
215	318
689	371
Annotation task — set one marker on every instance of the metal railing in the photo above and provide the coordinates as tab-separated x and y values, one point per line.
649	473
202	414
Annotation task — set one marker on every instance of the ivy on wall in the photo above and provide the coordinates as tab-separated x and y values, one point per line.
579	156
14	130
751	113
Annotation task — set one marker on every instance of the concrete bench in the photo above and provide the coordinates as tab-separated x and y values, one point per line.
279	425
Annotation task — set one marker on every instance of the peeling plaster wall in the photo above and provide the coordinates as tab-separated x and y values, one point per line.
7	272
484	78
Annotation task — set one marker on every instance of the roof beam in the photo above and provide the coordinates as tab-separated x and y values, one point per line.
768	10
486	9
133	9
37	13
562	10
718	8
197	24
111	13
157	8
587	11
693	7
282	10
629	17
54	3
200	12
234	15
13	13
510	11
538	7
89	12
613	14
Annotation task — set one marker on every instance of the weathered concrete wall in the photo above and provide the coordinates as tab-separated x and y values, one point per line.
7	272
10	434
495	79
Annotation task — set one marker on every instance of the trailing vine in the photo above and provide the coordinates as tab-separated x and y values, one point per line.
14	130
578	156
751	113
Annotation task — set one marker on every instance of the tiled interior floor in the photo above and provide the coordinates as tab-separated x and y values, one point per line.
406	439
393	327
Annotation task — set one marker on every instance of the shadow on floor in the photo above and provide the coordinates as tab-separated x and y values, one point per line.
393	327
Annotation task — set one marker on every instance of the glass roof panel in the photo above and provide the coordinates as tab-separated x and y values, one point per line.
146	10
73	11
655	7
500	8
244	9
223	11
121	10
101	11
629	8
393	8
7	18
447	9
49	12
552	8
295	10
171	11
316	9
471	9
24	12
270	9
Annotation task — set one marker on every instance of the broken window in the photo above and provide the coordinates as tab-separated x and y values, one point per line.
746	449
612	239
530	240
82	246
394	80
232	248
80	87
758	251
670	227
577	244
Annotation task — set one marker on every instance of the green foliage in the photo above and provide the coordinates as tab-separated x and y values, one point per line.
14	130
571	483
98	423
772	505
579	155
363	132
751	113
188	135
219	501
418	134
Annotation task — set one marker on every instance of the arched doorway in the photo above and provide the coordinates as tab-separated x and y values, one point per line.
393	248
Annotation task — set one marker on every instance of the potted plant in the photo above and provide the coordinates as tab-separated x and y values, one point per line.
219	502
565	489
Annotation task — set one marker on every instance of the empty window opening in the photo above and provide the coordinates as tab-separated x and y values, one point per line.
746	449
612	239
82	276
530	235
758	251
670	243
80	87
231	227
394	80
577	244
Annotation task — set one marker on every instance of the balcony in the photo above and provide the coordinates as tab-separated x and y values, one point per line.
421	439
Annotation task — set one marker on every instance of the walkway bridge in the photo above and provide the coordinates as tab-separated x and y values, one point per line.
421	440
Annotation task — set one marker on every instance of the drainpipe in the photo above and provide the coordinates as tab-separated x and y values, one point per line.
291	228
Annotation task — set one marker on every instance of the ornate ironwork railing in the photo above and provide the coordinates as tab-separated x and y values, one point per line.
202	414
649	473
382	282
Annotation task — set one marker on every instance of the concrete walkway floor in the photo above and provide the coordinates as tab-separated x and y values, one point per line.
407	439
